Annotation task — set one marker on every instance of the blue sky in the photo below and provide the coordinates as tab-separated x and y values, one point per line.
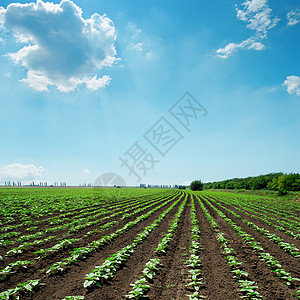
81	82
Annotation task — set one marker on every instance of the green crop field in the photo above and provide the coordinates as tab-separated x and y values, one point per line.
132	243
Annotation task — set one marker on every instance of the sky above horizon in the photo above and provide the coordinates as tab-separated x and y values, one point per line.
157	92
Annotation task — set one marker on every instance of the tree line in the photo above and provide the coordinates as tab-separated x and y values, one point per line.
274	181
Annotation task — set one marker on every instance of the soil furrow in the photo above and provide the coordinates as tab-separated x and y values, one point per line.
172	277
59	285
287	238
269	285
120	284
289	263
28	255
216	273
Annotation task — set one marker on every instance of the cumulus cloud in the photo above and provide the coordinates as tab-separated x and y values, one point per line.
292	84
61	47
293	17
19	171
257	15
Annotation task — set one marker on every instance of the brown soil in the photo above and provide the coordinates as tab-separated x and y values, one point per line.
28	255
269	285
172	278
216	273
286	238
170	281
120	285
70	282
288	262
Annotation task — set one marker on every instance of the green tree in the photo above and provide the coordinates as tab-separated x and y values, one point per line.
292	182
196	185
273	185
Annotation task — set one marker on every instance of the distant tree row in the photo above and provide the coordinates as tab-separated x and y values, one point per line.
285	182
272	181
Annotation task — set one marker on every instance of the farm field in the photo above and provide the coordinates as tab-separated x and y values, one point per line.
109	243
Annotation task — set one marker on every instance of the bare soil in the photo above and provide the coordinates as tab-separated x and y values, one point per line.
170	282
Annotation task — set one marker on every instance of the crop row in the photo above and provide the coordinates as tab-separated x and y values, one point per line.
274	210
60	246
80	253
289	248
266	218
108	269
141	287
86	224
194	262
67	243
246	286
77	223
270	261
33	204
77	254
282	208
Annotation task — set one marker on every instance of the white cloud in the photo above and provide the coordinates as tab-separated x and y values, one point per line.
256	45
2	13
19	171
293	85
293	17
96	83
86	171
134	31
137	46
66	50
37	81
227	50
233	47
257	15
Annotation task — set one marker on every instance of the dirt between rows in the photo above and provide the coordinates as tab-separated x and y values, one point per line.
120	285
170	281
288	262
35	269
286	238
71	282
91	209
269	285
255	211
28	255
172	277
278	216
219	282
